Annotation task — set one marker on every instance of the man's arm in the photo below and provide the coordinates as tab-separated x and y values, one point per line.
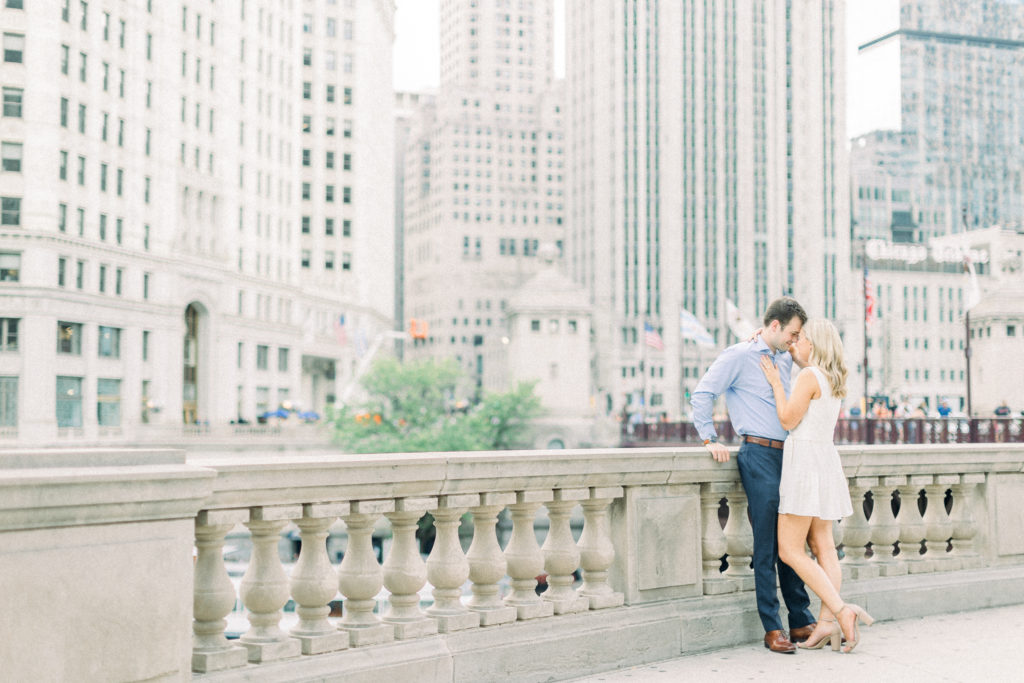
715	382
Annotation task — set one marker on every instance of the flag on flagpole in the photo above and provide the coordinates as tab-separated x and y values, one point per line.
339	329
690	328
361	342
973	290
652	338
739	325
869	299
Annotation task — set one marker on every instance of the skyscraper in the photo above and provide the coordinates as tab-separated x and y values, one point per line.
484	177
707	164
193	194
947	74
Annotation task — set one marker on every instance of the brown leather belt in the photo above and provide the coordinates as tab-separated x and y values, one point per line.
769	443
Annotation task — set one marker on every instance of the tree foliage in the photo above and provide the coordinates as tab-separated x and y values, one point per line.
410	407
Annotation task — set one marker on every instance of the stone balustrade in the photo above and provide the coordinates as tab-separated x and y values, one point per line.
661	566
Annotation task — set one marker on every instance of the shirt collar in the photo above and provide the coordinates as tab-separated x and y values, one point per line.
762	347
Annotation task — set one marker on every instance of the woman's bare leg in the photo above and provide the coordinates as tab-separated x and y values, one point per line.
822	543
793	532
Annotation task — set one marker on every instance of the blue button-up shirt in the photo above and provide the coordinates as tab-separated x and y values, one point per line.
748	396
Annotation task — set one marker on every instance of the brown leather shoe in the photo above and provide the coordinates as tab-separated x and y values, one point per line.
776	641
802	633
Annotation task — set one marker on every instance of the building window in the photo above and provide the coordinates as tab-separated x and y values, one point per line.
79	274
347	96
10	266
145	285
108	402
238	355
305	225
14	48
330	93
306	255
12	102
8	401
83	68
346	261
329	160
69	338
11	154
81	170
329	193
262	354
307	90
9	334
145	345
65	58
82	115
346	195
81	222
109	342
329	260
62	272
346	162
119	230
62	217
307	56
118	281
306	191
328	226
69	401
62	168
103	177
11	211
346	227
282	360
306	157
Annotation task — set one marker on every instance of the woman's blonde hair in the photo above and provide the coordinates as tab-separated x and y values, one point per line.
827	353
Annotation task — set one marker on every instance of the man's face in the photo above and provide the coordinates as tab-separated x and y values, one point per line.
781	337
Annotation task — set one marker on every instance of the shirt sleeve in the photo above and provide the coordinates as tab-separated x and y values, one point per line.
715	382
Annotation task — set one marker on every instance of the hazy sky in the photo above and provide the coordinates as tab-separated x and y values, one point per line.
417	53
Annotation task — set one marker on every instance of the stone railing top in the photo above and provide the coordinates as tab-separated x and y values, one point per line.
279	479
36	458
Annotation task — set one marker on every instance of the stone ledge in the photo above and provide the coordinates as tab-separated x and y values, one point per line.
576	645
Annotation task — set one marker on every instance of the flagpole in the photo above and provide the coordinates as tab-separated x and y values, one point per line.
967	319
864	295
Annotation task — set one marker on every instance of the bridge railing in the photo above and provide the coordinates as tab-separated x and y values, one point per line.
665	539
851	430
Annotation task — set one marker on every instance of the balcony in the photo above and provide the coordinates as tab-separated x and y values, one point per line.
114	568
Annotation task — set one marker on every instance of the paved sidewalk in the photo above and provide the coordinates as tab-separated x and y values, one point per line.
985	645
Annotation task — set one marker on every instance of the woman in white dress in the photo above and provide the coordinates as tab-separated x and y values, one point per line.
813	489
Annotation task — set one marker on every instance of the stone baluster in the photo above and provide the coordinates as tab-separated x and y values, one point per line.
561	555
524	558
360	576
857	533
739	540
265	587
964	527
596	549
404	571
912	527
487	563
885	530
314	583
713	542
938	524
214	594
447	566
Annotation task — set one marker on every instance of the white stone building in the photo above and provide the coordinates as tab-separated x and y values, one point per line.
484	178
707	163
193	193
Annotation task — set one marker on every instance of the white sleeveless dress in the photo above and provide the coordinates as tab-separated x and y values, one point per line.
813	483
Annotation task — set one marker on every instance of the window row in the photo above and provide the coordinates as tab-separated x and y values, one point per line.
330	60
263	357
330	126
330	160
329	193
329	226
330	262
330	94
108	401
106	124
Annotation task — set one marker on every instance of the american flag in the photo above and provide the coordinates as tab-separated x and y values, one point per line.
652	338
339	329
869	299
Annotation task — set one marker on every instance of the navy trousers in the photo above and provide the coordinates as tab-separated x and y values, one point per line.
760	470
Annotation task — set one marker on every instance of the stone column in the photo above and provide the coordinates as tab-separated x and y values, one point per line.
739	539
964	526
856	532
487	564
912	526
314	583
214	594
938	524
447	567
404	571
561	556
713	542
885	531
360	577
597	552
265	587
525	560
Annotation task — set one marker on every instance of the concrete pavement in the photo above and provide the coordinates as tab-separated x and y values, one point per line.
983	645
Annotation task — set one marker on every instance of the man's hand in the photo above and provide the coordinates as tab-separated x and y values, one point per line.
719	452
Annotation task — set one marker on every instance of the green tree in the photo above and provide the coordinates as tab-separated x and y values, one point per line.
409	407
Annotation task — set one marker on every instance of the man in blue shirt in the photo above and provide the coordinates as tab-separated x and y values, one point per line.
737	375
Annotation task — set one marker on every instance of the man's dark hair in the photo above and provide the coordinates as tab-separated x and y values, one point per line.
783	310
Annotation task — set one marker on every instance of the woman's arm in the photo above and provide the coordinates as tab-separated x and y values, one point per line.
791	410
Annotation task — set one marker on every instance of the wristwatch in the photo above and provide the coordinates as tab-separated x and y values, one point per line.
713	439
